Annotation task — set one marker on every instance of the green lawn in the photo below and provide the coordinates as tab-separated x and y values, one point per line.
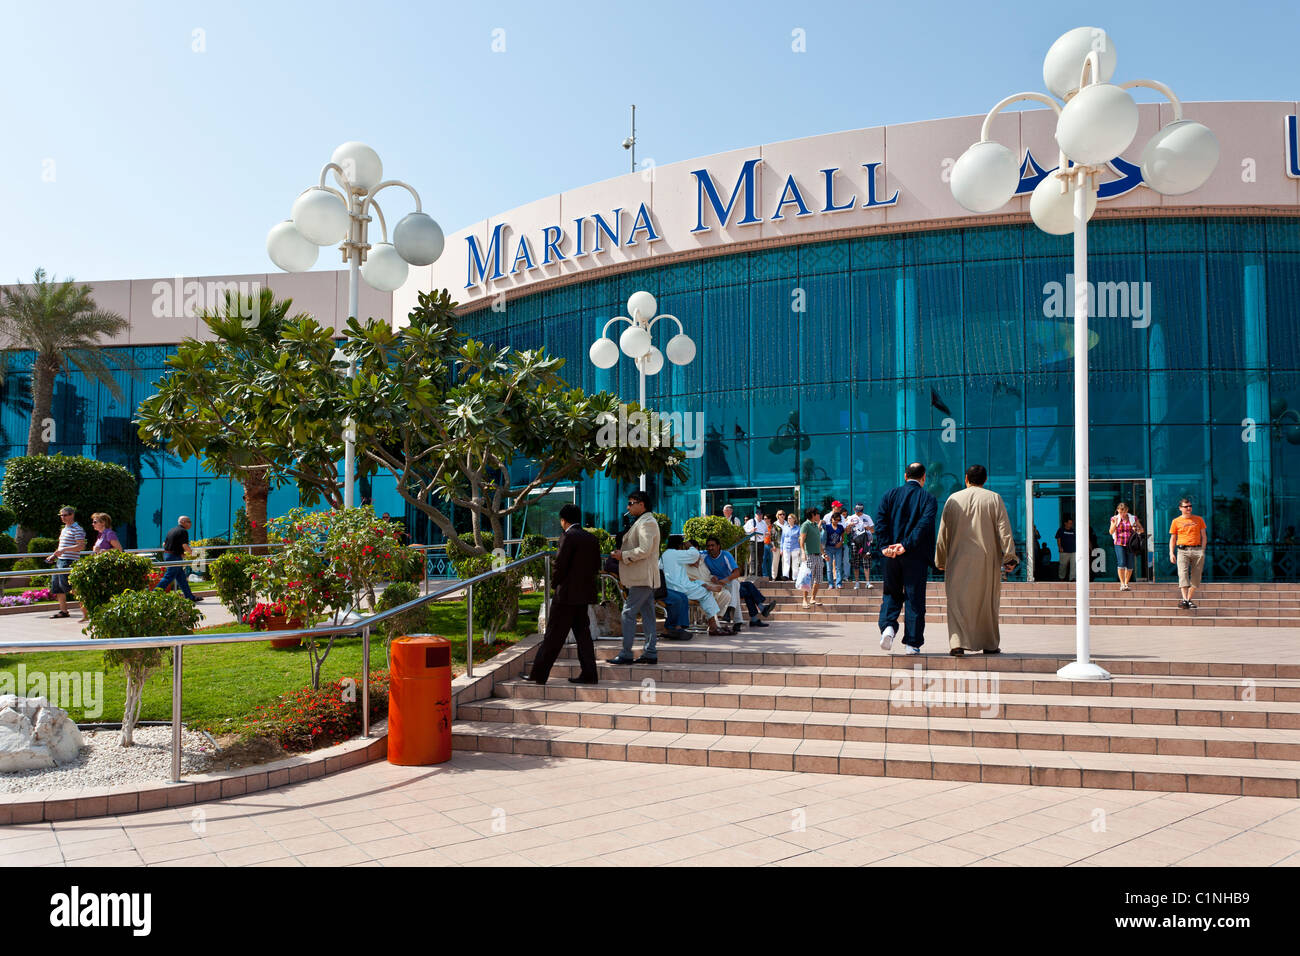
223	683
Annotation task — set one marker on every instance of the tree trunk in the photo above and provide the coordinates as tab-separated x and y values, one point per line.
38	432
135	682
257	488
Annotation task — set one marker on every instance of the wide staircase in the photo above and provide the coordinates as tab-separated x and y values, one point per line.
1157	725
1052	602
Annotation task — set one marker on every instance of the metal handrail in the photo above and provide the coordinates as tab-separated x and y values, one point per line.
178	642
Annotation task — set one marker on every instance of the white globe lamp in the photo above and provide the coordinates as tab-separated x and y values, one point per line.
321	217
642	305
384	269
681	349
418	239
361	165
653	361
1063	65
1180	158
1098	124
1052	210
603	353
985	177
288	248
635	341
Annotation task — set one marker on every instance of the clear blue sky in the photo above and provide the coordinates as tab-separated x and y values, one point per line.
168	161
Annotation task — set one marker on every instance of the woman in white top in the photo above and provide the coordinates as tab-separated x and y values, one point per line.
1123	526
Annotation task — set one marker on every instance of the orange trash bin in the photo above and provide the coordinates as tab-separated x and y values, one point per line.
419	701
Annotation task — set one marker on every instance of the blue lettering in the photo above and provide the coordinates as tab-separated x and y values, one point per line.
871	189
642	221
830	193
582	238
603	226
791	194
551	238
705	186
524	252
479	263
1293	147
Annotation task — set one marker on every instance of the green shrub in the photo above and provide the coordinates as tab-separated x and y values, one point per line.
99	578
412	567
604	539
148	613
42	545
712	526
7	518
665	526
231	574
415	621
308	719
240	533
30	564
35	487
7	546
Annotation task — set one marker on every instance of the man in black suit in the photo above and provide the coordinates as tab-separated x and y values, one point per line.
906	523
574	578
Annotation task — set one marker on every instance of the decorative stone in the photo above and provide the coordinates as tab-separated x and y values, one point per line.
35	735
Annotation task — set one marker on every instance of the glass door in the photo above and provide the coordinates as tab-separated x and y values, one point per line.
1050	503
541	514
746	501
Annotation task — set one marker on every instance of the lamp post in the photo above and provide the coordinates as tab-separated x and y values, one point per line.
636	343
1096	124
323	216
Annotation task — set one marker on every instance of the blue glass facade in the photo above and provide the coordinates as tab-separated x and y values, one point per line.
828	366
943	347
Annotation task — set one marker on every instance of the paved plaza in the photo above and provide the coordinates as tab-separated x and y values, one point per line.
510	810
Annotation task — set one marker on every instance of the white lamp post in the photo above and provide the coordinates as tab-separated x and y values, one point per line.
322	216
637	344
1096	123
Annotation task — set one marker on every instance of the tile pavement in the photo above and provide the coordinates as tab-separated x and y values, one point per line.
481	810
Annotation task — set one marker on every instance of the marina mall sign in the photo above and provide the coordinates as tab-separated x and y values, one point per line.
842	184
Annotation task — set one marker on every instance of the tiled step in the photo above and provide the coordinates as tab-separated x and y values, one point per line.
882	675
1261	743
953	702
874	758
686	654
1179	618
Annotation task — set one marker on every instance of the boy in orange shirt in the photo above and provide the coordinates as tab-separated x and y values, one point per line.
1187	550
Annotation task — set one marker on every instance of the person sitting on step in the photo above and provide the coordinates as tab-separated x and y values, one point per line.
725	572
675	560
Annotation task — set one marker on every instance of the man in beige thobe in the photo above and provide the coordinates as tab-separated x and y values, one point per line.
974	546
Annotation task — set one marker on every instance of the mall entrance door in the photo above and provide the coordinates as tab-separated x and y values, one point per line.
1047	503
540	515
745	501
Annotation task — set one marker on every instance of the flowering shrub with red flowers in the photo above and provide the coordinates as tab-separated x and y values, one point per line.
331	561
259	617
309	719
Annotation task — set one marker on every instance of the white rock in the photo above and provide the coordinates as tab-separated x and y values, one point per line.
35	735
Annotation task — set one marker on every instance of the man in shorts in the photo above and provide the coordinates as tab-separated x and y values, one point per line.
1187	550
72	541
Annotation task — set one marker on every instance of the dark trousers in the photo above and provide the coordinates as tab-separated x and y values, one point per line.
565	618
176	575
904	584
752	597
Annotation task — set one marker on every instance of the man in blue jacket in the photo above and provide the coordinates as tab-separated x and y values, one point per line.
906	525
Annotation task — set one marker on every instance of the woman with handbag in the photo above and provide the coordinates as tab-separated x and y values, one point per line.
1126	531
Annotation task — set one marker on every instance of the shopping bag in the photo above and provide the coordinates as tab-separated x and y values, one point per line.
803	580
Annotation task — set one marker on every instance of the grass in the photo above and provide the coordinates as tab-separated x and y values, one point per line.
224	682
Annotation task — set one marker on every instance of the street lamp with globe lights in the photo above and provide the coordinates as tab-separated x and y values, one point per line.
1096	121
636	343
323	215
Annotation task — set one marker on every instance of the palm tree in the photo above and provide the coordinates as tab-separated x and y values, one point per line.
60	322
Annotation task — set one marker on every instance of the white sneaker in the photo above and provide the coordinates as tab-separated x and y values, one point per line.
913	650
855	585
870	585
886	638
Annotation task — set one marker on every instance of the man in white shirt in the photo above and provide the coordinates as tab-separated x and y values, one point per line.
756	528
859	559
675	560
